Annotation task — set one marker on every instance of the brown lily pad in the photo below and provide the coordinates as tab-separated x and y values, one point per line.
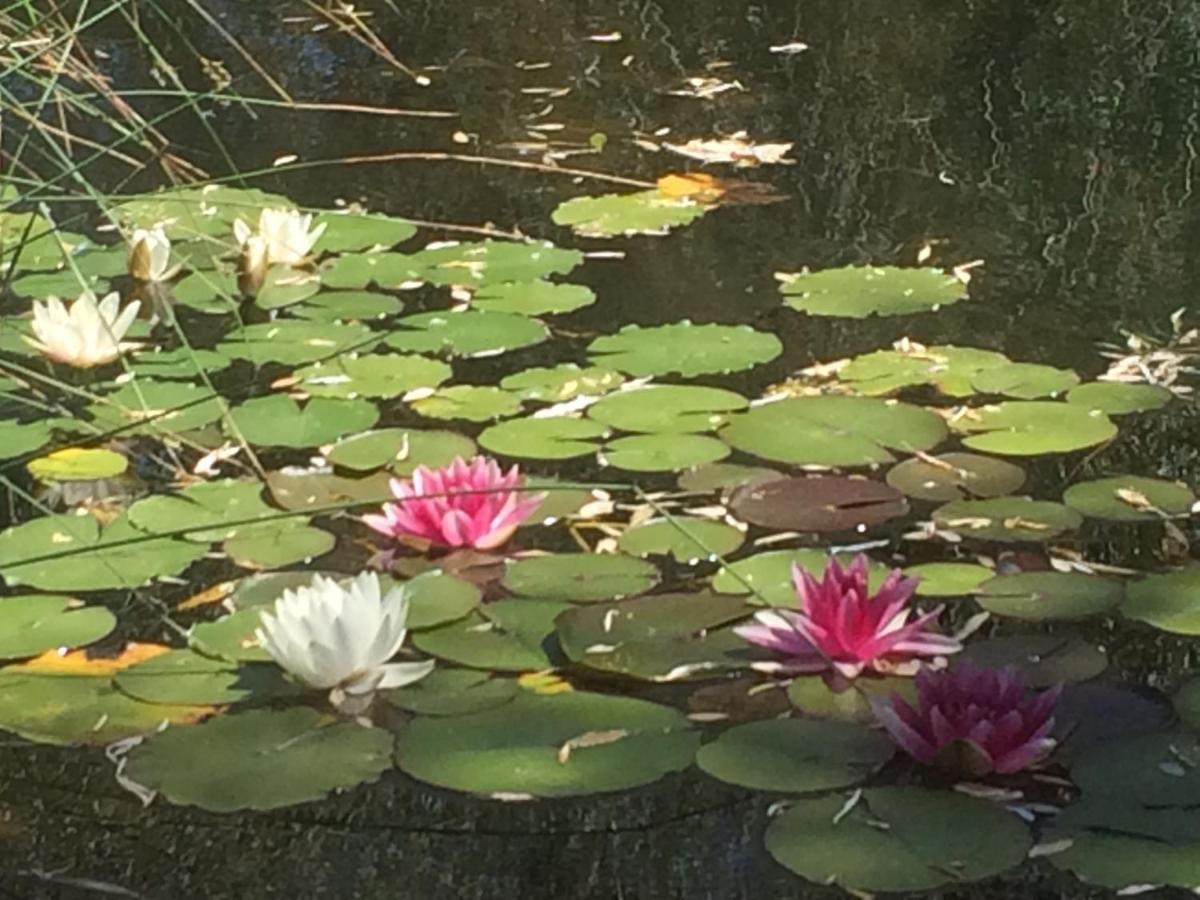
824	503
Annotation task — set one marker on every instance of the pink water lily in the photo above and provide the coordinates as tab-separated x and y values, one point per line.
973	721
464	504
840	626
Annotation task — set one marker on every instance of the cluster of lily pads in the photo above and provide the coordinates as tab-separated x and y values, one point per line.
275	419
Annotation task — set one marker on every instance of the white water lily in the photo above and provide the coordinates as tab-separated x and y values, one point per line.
150	255
288	234
340	637
88	335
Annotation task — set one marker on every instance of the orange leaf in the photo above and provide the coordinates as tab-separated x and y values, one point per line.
214	594
693	184
77	662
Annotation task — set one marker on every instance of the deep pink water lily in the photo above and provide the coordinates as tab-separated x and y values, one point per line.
464	504
840	626
973	721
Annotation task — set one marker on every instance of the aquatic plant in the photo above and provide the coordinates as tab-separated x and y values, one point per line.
87	335
972	720
464	504
287	233
340	638
150	255
841	626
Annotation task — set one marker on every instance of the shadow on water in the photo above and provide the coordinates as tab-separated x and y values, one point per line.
1056	141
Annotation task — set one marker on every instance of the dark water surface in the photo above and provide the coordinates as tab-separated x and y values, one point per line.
1057	141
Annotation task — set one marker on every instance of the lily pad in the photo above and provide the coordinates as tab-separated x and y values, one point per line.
19	438
34	623
532	298
482	263
1007	519
1046	596
1025	381
284	286
1043	660
562	383
156	407
579	577
611	215
1169	602
470	333
549	746
814	698
295	342
822	503
347	306
955	476
506	636
948	579
682	347
663	452
454	692
898	839
555	437
435	598
858	291
278	547
279	421
685	538
403	448
474	403
721	476
833	431
185	677
183	362
667	409
795	755
260	759
371	375
1117	399
187	212
948	368
1034	427
78	464
1130	498
360	231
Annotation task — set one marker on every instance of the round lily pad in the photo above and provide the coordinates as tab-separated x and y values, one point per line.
898	839
403	448
821	503
360	231
1034	427
555	437
208	507
295	342
77	464
945	367
273	548
579	577
454	692
284	286
504	636
470	333
482	263
231	637
683	537
833	431
260	759
1169	602
435	598
183	362
188	212
1117	399
1043	596
549	746
1043	660
475	403
1025	381
682	347
279	421
722	476
641	212
955	476
371	375
156	407
1130	498
1007	519
814	698
948	579
662	452
795	755
19	438
858	291
667	408
562	383
532	298
34	623
347	306
185	677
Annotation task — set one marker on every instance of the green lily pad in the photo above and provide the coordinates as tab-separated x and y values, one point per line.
346	231
347	306
313	490
284	286
532	298
279	421
64	283
898	839
795	755
231	637
285	546
663	452
685	538
183	362
435	598
371	375
667	409
403	448
1025	381
295	342
454	692
955	476
470	333
78	464
579	577
34	623
357	270
1044	660
156	407
505	636
611	215
1007	519
260	759
1169	602
1130	498
814	698
685	348
722	476
556	437
663	637
948	579
858	291
1046	596
187	212
185	677
948	368
207	506
1117	399
482	263
562	383
73	553
549	746
1034	427
833	431
474	403
19	438
213	292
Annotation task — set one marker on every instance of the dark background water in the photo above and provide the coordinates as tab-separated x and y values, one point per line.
1057	141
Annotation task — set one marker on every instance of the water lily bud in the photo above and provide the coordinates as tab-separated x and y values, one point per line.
150	255
252	264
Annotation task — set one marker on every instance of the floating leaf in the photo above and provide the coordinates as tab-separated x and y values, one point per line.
1129	498
1043	660
1025	381
685	348
1043	596
667	408
549	746
795	755
260	759
156	407
284	286
184	677
19	438
1090	713
473	403
188	212
506	636
663	452
1007	519
562	383
313	490
279	421
282	546
723	476
897	839
482	263
1034	427
34	623
347	306
610	215
685	538
183	362
859	291
453	692
206	507
954	476
346	231
231	637
435	598
547	438
948	579
833	431
581	577
814	698
948	368
1169	602
823	503
371	375
294	342
532	298
470	333
1117	399
78	464
403	448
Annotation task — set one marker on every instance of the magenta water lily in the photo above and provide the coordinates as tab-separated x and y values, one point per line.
973	721
464	504
841	626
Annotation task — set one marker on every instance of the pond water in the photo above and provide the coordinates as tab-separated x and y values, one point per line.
1012	177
